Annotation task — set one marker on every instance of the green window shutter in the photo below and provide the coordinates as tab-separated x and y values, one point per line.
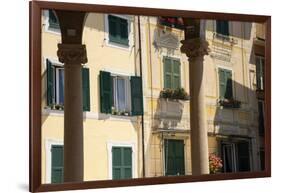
243	156
105	92
222	84
225	84
127	158
124	31
121	162
174	157
136	95
113	28
50	83
57	164
228	90
86	89
167	72
176	74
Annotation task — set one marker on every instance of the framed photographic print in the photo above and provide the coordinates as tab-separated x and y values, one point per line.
123	96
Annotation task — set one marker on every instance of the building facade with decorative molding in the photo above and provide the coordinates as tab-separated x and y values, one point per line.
137	74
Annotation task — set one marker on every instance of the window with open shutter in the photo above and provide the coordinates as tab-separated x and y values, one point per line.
136	95
225	84
171	73
222	27
243	156
121	162
57	164
105	92
53	20
55	86
118	30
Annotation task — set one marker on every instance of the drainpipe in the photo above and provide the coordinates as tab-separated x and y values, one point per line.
142	116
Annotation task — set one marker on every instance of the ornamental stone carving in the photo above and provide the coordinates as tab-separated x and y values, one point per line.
72	53
195	47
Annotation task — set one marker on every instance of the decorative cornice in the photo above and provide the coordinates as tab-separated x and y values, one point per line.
72	53
195	47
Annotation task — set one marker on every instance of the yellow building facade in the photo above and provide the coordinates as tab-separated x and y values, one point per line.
113	131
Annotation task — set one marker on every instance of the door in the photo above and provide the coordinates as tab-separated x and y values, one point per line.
57	164
174	157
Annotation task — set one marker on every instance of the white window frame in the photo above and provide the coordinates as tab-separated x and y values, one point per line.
48	154
131	144
130	33
47	24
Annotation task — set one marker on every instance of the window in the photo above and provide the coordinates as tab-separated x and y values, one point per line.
235	156
53	21
121	162
120	95
225	84
222	27
260	72
172	73
55	86
174	157
261	117
118	30
57	164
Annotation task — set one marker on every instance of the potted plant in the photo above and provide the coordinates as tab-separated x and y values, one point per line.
174	94
230	103
215	164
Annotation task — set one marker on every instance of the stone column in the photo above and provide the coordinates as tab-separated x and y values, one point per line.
73	55
195	49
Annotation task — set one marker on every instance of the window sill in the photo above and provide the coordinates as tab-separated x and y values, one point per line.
116	117
225	38
125	47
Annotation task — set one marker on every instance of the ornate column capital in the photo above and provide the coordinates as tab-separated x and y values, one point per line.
72	53
195	47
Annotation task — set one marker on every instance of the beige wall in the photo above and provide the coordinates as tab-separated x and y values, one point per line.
100	130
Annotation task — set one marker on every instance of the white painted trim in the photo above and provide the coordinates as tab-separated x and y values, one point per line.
130	33
131	144
48	154
46	24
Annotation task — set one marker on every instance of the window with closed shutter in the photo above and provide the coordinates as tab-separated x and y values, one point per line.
118	30
57	164
172	73
121	162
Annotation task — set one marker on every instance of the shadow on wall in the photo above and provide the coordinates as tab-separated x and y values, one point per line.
168	113
236	29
